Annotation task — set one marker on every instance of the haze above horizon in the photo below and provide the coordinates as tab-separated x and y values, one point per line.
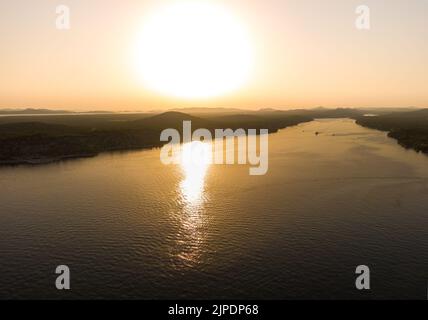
281	54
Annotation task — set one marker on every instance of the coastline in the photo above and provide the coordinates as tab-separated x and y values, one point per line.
38	143
406	138
134	146
50	160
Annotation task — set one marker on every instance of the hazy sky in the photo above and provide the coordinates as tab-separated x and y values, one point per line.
307	53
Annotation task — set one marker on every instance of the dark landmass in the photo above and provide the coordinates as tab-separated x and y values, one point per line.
33	111
34	142
202	112
319	112
409	128
88	120
53	138
48	138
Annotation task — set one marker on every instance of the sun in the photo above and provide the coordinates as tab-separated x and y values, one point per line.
193	49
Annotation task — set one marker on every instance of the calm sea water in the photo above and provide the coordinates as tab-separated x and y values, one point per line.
130	227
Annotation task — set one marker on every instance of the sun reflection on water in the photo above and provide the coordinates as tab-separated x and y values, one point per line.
195	161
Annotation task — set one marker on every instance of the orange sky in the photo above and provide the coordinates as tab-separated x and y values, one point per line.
307	53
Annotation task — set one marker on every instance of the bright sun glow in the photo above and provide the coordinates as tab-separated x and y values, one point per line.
196	158
193	49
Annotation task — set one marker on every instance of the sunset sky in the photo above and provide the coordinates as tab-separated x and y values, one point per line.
298	53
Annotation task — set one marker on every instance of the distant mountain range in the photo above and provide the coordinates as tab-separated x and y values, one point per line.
211	111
